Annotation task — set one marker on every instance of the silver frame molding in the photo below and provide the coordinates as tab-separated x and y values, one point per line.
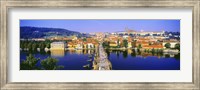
4	44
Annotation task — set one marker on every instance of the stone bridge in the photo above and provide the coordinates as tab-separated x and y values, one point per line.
101	61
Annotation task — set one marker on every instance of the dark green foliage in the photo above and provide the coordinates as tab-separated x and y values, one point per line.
48	45
29	63
167	45
177	56
113	46
29	46
139	46
153	51
177	46
160	52
47	64
106	44
118	45
34	46
22	44
167	55
50	64
42	45
84	39
125	43
139	51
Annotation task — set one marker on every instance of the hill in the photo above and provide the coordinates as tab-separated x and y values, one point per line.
41	32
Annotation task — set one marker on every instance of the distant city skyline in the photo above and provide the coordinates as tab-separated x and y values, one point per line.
101	25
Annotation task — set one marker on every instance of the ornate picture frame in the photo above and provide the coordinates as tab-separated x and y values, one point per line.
4	43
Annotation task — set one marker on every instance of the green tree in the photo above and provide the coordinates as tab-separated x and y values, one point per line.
138	51
103	44
84	39
50	64
167	45
118	43
153	51
41	45
157	50
25	45
177	46
47	41
29	63
106	44
148	50
34	46
125	43
29	46
177	56
161	52
139	46
48	45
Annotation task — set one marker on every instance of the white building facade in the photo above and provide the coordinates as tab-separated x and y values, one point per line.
58	45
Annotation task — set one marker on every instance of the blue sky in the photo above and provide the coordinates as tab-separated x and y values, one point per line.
101	25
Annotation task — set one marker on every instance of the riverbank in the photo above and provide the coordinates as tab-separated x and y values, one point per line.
142	50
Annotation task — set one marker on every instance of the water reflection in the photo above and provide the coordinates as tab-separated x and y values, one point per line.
144	54
125	53
57	53
61	53
119	59
84	51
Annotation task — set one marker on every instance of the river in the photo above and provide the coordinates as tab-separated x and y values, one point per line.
120	59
